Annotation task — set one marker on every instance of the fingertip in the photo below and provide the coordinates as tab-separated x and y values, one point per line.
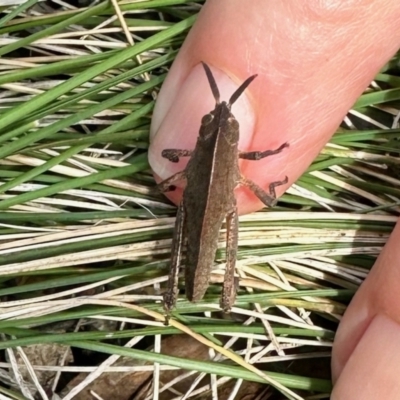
371	372
178	115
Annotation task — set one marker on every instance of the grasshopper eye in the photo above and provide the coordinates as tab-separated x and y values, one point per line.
207	119
233	123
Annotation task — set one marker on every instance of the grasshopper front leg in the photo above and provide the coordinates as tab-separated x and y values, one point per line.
258	155
167	184
230	282
178	240
174	154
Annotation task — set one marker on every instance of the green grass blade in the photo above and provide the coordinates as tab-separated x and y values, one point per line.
41	100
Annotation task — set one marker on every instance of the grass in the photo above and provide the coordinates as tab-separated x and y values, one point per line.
85	237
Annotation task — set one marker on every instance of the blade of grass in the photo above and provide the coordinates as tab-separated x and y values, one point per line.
51	30
78	117
17	10
22	110
140	164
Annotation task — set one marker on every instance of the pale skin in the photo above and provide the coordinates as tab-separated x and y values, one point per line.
314	59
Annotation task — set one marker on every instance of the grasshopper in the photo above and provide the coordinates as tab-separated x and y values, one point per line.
212	174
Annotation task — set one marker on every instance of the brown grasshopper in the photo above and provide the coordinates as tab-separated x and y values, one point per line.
212	174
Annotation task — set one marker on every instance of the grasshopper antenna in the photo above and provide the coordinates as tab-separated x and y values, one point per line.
241	89
211	81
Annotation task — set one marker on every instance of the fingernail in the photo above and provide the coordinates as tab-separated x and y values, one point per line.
184	110
371	372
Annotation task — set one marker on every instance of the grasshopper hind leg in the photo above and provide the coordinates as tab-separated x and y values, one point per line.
230	282
269	199
171	295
